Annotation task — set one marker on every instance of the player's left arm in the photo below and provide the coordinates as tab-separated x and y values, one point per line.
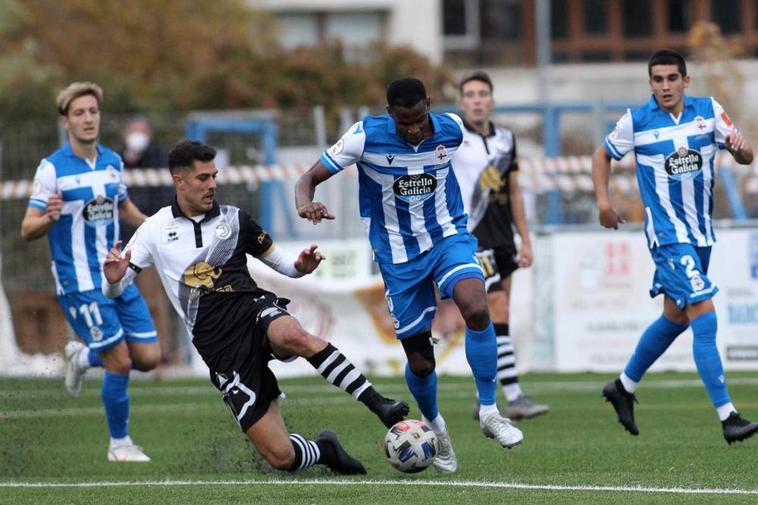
525	254
729	137
737	144
130	213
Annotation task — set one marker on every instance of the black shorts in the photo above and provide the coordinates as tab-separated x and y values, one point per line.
247	383
497	264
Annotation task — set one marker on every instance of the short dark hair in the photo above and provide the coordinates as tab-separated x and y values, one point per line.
476	76
405	92
666	57
187	151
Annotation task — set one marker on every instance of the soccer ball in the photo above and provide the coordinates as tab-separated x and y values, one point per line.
410	445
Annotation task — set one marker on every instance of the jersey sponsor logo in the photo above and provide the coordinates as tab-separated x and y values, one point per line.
201	275
223	231
440	152
98	211
684	163
337	148
415	188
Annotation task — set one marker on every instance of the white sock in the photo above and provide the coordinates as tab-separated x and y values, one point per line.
438	424
486	410
82	358
628	383
512	391
725	410
118	442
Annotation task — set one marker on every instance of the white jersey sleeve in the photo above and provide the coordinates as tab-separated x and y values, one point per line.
621	140
44	186
458	120
722	124
347	150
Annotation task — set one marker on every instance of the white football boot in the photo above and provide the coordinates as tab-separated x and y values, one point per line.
74	373
127	454
445	461
500	428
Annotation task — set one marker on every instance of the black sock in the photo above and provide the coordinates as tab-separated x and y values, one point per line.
337	369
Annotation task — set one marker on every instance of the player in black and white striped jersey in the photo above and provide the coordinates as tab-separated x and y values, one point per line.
199	249
487	172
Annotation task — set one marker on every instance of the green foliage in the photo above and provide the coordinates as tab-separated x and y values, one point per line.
179	55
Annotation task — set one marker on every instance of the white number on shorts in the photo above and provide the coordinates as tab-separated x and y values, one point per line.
91	314
689	266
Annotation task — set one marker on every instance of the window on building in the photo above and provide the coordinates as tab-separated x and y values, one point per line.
500	19
559	19
354	28
595	16
637	18
726	14
298	30
460	23
680	15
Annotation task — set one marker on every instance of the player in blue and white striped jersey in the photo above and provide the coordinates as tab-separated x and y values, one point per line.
77	200
674	138
411	206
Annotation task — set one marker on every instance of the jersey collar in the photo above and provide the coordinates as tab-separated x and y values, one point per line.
177	212
474	130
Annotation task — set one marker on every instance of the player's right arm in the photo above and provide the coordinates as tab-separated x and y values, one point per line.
345	152
617	143
45	204
120	268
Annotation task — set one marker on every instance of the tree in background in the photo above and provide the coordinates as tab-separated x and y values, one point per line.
178	55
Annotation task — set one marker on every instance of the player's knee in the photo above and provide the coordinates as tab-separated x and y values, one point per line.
298	341
476	315
421	366
420	353
147	361
120	364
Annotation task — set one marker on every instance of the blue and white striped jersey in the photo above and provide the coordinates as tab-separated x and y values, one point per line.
88	226
675	166
409	197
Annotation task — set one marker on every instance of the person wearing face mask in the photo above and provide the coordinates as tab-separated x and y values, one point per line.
140	151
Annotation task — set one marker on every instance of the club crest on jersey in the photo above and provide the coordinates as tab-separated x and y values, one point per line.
111	172
700	123
440	153
684	163
415	188
98	211
223	230
96	333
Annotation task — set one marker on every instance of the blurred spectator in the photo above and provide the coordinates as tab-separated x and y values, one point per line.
140	150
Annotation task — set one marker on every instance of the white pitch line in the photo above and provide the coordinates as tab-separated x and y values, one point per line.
413	482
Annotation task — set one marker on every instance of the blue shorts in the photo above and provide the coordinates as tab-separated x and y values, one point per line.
681	273
409	287
103	322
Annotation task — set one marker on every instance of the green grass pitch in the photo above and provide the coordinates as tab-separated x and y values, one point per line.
53	448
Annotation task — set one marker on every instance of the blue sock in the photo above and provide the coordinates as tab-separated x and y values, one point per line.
707	358
424	390
652	344
116	403
481	353
94	359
